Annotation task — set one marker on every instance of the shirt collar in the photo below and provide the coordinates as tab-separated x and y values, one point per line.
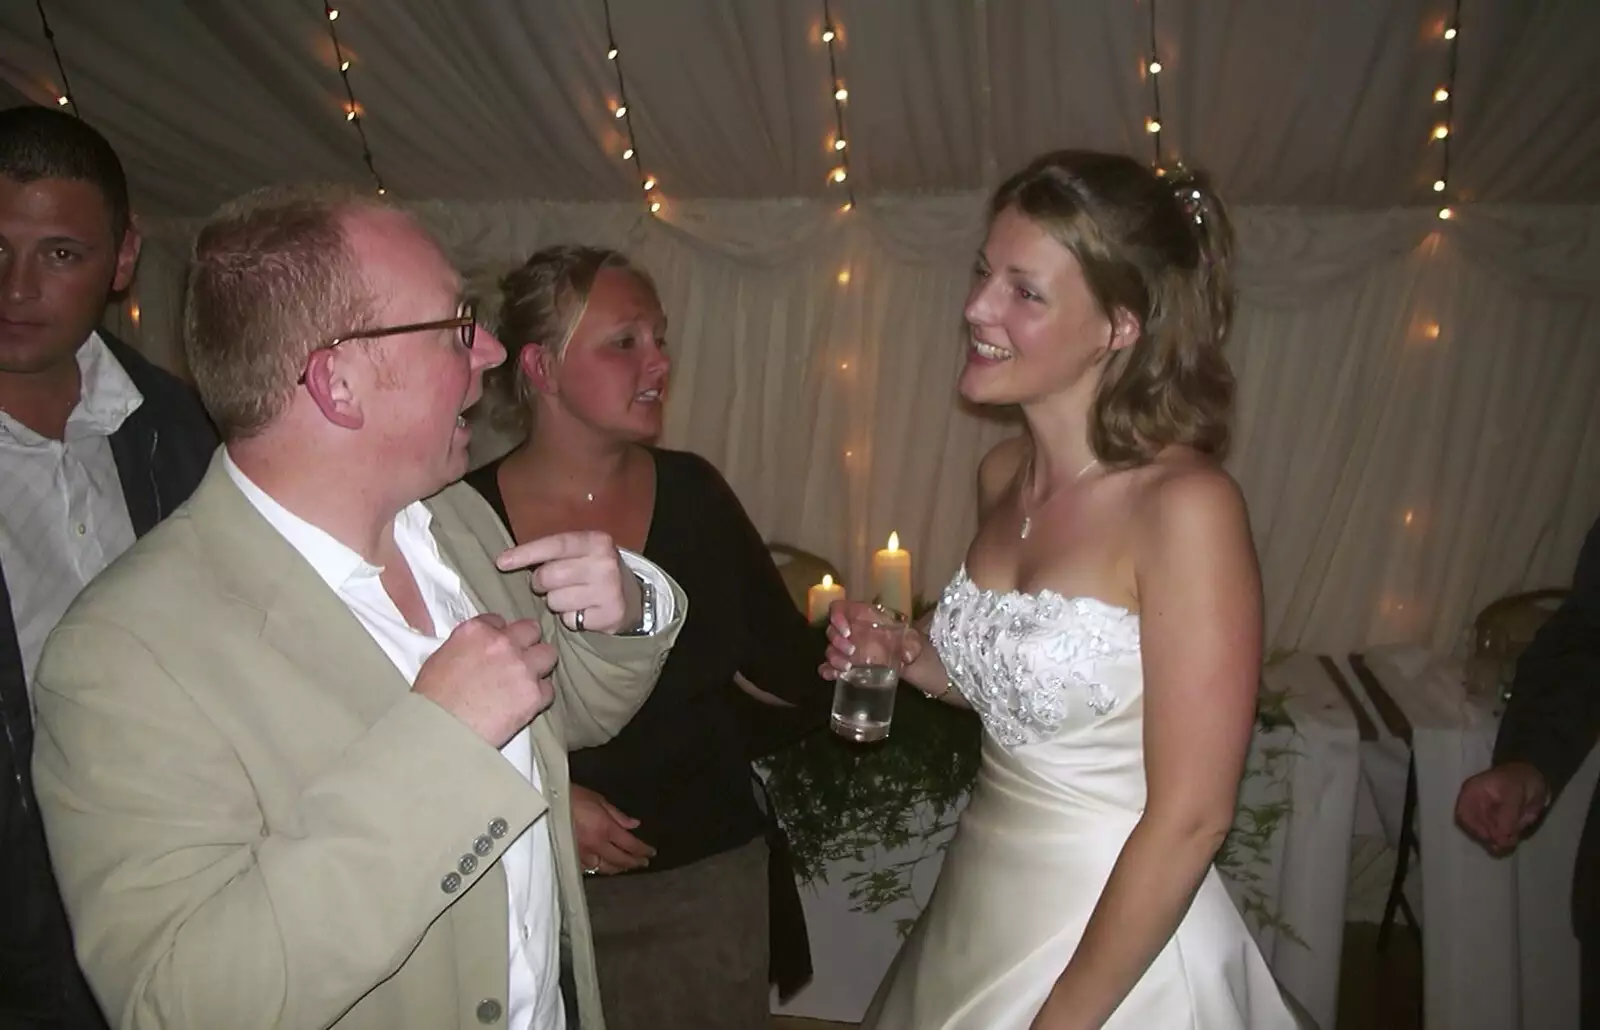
336	564
107	396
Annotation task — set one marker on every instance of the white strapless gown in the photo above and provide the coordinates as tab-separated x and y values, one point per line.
1059	685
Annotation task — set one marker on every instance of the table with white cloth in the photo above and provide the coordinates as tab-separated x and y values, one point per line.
1307	771
1497	945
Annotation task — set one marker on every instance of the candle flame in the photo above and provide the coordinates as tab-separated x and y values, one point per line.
827	580
894	541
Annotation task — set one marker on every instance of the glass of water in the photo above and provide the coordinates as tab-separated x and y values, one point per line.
863	698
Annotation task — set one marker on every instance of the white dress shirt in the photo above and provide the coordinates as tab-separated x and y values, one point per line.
63	518
534	1002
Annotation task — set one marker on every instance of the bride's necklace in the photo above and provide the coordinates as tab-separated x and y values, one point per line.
1022	498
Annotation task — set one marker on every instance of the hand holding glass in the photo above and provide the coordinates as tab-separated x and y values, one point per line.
863	696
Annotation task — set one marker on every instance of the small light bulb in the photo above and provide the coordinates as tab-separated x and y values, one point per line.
655	205
844	366
611	55
133	312
1440	95
1441	131
839	175
827	35
1431	330
333	14
841	94
1152	126
1409	516
1438	185
847	205
1450	33
62	101
382	191
627	155
622	110
344	66
650	184
848	454
350	115
844	275
838	144
1155	67
1446	214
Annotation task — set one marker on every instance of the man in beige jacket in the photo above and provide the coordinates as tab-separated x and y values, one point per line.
301	752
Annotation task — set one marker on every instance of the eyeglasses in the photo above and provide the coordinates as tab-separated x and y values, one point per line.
465	323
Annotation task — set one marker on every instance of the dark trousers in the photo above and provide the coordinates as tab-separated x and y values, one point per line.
1589	988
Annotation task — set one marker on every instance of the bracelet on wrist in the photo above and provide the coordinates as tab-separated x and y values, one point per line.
949	685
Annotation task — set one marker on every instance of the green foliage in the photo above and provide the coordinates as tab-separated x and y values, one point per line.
841	801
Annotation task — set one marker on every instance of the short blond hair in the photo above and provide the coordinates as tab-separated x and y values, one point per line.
272	277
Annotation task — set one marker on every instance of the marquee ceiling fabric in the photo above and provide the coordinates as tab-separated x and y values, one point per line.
1288	102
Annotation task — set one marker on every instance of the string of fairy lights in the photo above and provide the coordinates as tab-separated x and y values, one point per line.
64	98
353	111
1445	97
624	113
1442	134
1152	66
840	143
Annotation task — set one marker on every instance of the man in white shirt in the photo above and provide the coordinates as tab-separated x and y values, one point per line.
96	446
292	760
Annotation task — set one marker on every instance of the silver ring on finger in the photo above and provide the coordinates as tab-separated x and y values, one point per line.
577	624
593	870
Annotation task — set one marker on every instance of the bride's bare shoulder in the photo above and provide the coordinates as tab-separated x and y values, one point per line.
1182	488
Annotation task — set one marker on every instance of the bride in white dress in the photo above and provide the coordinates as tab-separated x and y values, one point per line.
1106	626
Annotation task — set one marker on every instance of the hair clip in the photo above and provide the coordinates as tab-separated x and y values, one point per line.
1193	203
1189	196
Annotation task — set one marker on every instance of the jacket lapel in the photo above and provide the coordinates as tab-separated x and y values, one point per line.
486	586
303	618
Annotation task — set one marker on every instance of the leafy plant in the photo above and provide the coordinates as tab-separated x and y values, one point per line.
841	801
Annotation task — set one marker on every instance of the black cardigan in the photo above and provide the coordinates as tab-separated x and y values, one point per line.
162	450
682	765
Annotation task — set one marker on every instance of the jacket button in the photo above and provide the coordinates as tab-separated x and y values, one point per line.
483	845
450	884
467	864
498	828
489	1010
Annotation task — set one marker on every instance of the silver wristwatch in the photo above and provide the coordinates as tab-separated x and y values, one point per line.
647	611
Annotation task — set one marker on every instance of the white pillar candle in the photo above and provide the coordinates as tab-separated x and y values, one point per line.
891	576
819	597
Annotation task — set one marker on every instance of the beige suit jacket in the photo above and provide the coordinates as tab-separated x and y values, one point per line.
256	824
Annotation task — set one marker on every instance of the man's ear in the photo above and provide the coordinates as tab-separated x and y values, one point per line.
127	257
328	383
1125	330
537	363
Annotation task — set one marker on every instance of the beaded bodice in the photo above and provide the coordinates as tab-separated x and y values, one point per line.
1033	664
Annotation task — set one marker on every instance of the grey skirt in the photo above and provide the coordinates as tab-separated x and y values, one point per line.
685	948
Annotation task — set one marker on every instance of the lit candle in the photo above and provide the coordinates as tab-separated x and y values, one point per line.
819	597
891	576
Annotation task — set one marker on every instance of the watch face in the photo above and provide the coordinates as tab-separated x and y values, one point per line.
647	609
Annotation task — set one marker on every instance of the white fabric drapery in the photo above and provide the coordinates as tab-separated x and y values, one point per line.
1400	476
